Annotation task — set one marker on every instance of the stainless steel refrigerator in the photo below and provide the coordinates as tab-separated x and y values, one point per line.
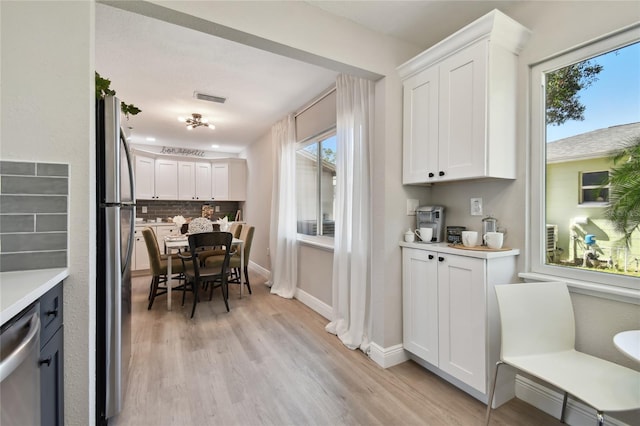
115	196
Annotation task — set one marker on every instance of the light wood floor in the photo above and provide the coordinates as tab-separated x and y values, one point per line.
270	362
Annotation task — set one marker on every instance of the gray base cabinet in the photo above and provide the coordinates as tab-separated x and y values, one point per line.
52	358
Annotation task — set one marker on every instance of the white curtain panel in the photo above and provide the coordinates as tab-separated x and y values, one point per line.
283	236
351	259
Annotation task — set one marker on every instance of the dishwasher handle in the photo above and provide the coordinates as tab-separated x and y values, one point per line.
9	364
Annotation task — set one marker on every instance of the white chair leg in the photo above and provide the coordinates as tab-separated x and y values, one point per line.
493	389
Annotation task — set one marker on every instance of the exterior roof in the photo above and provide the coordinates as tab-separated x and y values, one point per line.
595	144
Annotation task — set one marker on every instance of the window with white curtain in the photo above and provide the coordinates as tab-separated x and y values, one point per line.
585	108
315	185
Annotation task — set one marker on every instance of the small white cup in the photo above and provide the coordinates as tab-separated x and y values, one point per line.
409	237
469	238
425	234
493	240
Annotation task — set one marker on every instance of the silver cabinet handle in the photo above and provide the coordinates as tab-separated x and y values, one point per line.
23	350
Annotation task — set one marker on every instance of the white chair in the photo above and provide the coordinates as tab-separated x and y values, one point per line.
538	337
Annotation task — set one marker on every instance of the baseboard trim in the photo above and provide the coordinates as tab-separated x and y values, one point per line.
314	303
550	402
387	357
263	272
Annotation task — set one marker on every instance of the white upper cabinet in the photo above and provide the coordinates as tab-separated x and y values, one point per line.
166	179
145	176
203	181
220	181
229	179
460	102
186	180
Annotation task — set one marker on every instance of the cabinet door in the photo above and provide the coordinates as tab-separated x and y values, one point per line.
186	180
420	127
462	150
462	318
166	179
141	253
52	381
220	181
203	181
420	303
145	178
237	183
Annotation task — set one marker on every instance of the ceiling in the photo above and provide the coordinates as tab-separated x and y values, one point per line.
157	66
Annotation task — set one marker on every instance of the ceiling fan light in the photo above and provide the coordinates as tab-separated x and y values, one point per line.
189	126
182	119
211	126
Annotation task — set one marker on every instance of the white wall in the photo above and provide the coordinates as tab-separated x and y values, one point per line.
257	208
47	115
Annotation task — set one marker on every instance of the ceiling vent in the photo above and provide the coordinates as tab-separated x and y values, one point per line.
210	98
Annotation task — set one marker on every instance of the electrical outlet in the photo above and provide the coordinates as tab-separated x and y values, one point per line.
268	252
412	205
476	206
144	209
217	209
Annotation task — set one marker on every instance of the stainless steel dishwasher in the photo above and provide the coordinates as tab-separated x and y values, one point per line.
19	369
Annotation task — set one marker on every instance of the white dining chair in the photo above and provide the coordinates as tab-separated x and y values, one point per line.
538	338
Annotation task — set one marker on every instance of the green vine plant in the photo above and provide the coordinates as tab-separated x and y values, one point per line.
103	89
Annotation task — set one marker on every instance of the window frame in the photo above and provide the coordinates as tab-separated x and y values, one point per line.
582	188
535	261
321	241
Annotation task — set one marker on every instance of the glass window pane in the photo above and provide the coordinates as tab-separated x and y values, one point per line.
591	110
328	185
306	189
595	178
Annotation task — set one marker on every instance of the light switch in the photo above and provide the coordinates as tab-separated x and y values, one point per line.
412	205
476	207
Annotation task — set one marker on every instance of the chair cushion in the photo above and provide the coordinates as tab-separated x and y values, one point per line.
216	261
602	384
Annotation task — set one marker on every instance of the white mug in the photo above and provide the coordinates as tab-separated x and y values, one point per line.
493	240
469	238
425	234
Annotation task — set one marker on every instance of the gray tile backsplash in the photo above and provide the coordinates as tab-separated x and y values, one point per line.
33	215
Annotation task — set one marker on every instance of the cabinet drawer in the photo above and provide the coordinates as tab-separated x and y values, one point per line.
50	313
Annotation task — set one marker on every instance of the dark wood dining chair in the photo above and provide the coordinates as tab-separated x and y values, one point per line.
197	274
235	266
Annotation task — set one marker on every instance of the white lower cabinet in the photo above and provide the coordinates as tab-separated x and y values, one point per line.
450	318
140	258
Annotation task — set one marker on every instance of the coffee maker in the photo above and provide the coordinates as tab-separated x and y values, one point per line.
431	217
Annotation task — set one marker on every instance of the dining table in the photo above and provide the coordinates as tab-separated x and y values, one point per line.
176	243
628	342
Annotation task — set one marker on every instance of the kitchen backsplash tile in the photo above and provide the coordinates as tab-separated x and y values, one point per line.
167	208
33	215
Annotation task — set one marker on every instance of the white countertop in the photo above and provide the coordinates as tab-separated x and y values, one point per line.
444	248
18	289
155	224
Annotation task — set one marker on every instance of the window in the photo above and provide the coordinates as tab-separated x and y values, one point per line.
585	108
315	185
594	188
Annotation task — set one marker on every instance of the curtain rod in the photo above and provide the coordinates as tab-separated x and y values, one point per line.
316	100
